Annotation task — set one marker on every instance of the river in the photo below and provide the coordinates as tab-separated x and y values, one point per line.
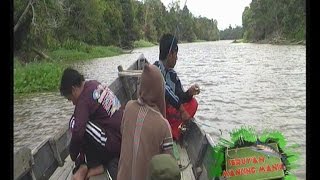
258	85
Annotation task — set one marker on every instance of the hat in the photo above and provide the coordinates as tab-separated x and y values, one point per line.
164	167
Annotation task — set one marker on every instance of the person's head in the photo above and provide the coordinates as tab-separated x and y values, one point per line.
151	89
71	84
168	50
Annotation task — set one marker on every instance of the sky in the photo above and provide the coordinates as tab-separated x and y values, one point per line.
226	12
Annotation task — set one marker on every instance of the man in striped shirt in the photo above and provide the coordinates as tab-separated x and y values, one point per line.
180	104
95	125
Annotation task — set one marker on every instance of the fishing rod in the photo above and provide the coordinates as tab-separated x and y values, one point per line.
175	33
175	37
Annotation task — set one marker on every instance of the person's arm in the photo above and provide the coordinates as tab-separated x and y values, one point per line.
171	97
175	95
81	117
167	146
183	96
167	142
180	96
123	116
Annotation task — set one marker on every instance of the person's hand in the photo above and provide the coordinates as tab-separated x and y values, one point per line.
194	89
95	171
80	172
185	116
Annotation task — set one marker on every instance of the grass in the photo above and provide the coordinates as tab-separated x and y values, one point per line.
199	40
36	76
238	41
142	43
45	76
63	54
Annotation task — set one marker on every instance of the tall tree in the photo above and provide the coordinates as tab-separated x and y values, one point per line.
113	24
231	33
272	19
128	19
186	22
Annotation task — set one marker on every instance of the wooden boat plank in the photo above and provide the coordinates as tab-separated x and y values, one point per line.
128	90
69	176
131	74
196	144
65	172
132	70
22	160
62	140
62	173
186	174
117	87
195	141
44	162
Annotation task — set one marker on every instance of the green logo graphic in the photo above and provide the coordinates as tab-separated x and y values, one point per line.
249	156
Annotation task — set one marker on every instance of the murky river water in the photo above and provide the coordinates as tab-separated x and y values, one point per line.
257	85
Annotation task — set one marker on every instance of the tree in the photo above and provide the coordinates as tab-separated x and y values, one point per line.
35	25
128	19
231	33
274	20
113	24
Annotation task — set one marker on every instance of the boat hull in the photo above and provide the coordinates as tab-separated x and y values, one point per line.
41	162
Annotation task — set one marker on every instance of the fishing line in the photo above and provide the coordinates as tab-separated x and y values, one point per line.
175	33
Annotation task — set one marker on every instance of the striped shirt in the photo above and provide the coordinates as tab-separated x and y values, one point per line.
174	94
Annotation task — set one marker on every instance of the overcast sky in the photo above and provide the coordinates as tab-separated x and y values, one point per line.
224	11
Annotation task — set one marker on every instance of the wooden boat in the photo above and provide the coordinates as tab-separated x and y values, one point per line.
51	161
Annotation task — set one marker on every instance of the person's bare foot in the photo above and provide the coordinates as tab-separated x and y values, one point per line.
95	171
81	173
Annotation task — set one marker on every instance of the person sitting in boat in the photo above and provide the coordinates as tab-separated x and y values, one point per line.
95	125
181	106
145	131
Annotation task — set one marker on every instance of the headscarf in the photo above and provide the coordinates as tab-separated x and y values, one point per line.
151	89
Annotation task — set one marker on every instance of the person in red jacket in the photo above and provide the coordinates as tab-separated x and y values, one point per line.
95	125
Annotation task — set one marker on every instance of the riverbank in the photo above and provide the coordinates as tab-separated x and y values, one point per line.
44	75
272	41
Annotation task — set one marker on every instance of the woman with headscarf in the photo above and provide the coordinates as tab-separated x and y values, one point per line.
145	131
